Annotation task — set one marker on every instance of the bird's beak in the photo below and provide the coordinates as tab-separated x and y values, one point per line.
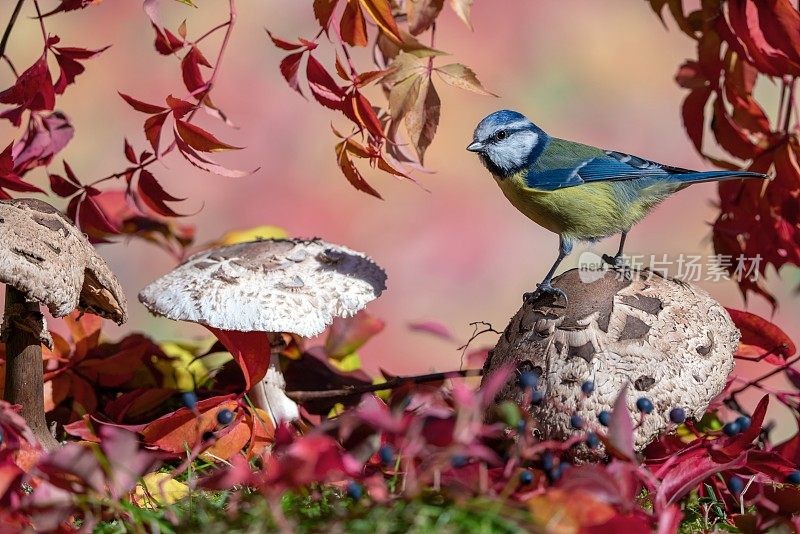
475	146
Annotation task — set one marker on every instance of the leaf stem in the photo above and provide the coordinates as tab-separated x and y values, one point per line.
41	22
348	391
789	106
9	26
756	381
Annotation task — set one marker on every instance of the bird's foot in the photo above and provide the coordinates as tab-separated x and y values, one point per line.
545	288
616	262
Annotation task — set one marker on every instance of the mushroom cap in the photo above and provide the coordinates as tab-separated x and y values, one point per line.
271	285
669	341
43	255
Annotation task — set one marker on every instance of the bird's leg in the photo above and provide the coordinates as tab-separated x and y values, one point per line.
545	287
617	259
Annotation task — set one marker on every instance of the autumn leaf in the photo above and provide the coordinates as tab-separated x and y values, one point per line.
353	25
461	76
422	14
350	171
199	139
463	8
347	335
760	337
381	13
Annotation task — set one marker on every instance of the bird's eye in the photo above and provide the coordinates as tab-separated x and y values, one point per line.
501	135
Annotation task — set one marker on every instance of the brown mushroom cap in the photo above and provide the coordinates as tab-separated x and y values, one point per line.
44	256
671	342
271	285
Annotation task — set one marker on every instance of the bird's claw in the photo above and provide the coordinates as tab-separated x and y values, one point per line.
545	288
616	262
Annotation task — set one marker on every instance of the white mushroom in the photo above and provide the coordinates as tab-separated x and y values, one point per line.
44	259
274	285
669	341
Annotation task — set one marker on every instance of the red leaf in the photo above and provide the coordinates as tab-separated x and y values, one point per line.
620	428
288	45
199	139
62	187
154	196
176	431
760	337
144	107
726	449
201	162
347	335
33	91
366	115
693	113
69	61
290	67
432	327
190	68
729	135
130	155
92	217
166	42
353	25
687	472
45	137
251	350
152	129
351	172
179	107
324	88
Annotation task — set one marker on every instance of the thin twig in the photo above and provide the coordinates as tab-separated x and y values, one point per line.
789	106
9	26
755	381
41	22
348	391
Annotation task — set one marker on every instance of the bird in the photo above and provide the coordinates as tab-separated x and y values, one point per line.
580	192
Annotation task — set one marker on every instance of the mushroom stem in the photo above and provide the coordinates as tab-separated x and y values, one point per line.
24	368
304	396
269	394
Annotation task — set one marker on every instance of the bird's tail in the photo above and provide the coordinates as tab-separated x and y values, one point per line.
716	176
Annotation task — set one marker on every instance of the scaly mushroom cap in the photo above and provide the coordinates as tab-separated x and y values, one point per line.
49	260
671	342
272	285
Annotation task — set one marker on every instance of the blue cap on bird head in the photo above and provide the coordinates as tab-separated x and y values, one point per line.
507	142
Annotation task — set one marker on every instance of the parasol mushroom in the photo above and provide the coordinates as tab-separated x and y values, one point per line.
44	259
271	286
669	342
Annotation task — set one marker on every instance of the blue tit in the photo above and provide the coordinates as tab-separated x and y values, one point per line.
580	192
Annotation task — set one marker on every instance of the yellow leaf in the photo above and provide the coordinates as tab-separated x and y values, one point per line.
159	489
351	362
462	9
381	13
183	372
251	234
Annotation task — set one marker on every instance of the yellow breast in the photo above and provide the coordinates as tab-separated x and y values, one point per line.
588	211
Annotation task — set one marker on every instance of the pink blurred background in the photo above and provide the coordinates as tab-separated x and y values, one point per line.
596	72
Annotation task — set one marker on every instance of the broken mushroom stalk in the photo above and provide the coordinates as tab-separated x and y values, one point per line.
265	288
662	339
45	260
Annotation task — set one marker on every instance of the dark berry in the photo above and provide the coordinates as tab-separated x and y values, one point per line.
458	460
744	422
528	380
735	485
521	426
644	405
208	435
677	415
576	421
386	454
794	477
731	429
587	387
354	490
547	461
592	441
536	398
224	417
525	478
1	436
604	417
189	399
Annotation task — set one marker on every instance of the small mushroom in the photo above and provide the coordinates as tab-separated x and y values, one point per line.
671	343
273	286
44	259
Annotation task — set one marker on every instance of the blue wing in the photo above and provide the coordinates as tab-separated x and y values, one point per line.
567	164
